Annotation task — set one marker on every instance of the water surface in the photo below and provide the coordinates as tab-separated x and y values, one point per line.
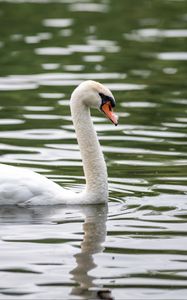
137	247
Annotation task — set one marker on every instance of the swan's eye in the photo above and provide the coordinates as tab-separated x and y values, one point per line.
105	99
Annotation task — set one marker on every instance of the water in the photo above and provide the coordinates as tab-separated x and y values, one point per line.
137	249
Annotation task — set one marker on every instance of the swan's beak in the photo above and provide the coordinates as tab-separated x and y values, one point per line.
107	109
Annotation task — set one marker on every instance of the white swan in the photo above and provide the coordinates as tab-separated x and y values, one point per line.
22	186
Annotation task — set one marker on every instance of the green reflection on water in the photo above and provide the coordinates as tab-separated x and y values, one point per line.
146	154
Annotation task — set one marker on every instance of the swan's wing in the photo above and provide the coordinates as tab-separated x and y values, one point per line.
18	185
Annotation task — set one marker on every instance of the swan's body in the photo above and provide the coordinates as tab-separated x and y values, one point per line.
22	186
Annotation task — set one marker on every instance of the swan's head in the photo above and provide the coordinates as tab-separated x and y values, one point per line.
94	94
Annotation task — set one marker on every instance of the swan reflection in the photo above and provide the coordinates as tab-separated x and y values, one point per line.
94	228
94	234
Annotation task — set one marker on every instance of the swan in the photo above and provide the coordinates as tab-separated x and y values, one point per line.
21	186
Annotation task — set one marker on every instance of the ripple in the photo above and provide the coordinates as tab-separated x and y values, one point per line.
141	73
142	151
38	108
139	104
125	86
57	22
183	120
170	71
10	86
50	66
152	34
42	117
53	51
172	56
159	133
89	7
139	163
107	45
38	134
175	125
164	199
93	58
34	39
73	68
84	48
179	101
11	121
52	95
173	187
71	49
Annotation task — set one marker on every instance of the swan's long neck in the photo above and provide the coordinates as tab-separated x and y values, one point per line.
93	161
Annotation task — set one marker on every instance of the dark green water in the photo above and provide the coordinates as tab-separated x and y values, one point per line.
138	248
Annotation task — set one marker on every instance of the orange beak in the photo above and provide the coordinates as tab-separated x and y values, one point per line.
107	109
